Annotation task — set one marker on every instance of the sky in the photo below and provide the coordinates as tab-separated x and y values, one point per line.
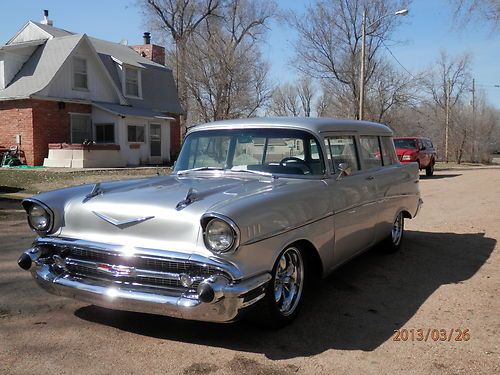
424	32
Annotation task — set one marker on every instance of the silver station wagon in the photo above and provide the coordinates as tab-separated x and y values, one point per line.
254	209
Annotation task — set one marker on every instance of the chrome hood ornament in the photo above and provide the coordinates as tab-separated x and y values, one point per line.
122	224
191	197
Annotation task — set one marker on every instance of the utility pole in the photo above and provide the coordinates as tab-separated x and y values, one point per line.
473	141
362	70
447	126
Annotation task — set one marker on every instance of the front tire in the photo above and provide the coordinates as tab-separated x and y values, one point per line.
429	171
285	291
393	242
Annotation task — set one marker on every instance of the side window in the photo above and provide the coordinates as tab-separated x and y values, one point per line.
370	151
342	149
388	153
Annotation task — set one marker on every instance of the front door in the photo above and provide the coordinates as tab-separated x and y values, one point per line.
354	199
155	143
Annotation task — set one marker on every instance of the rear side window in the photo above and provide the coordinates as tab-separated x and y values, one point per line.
342	149
388	152
370	151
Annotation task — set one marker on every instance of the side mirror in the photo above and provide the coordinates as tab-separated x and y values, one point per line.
344	170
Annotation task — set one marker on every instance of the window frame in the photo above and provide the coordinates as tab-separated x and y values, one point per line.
391	141
360	152
143	133
333	167
75	72
95	125
139	82
72	115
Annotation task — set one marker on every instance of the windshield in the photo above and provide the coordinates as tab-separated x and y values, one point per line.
278	151
405	143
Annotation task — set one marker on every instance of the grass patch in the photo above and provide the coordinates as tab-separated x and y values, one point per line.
32	181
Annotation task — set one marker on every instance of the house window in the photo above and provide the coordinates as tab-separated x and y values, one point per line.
80	73
105	133
81	128
132	82
136	133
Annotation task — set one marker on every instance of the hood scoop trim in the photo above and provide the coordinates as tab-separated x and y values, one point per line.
122	224
191	197
96	190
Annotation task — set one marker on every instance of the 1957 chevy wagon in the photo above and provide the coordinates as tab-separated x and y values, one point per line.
253	210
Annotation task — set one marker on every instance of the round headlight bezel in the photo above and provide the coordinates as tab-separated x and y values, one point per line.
43	211
209	221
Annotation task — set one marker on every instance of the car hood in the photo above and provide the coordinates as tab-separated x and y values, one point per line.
147	213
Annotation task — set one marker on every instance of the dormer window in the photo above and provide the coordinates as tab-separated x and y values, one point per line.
132	82
80	74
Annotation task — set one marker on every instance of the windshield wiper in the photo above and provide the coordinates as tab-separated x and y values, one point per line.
259	173
200	169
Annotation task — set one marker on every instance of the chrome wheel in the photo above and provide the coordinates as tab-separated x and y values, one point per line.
288	281
397	229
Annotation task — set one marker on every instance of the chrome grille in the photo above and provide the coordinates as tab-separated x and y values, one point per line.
136	270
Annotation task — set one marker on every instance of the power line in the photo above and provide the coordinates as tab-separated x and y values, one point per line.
395	58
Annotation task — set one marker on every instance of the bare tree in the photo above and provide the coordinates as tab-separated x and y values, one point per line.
179	19
305	92
292	99
448	83
474	11
226	74
329	43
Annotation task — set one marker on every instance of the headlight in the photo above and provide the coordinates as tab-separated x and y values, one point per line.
39	218
406	157
219	236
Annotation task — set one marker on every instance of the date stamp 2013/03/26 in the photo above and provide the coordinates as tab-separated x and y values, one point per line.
431	334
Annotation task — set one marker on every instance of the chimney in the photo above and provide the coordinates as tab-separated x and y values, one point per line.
150	51
46	20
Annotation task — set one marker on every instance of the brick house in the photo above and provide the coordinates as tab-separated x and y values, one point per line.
59	90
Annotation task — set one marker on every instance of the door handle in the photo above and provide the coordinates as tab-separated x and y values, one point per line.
370	178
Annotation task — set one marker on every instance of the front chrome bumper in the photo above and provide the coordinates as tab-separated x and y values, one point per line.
230	297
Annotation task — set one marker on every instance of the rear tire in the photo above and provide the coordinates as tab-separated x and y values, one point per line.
393	242
429	171
285	291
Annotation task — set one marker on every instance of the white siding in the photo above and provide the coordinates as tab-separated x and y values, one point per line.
11	62
142	155
30	32
99	85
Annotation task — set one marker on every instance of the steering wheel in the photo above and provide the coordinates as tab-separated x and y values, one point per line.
293	159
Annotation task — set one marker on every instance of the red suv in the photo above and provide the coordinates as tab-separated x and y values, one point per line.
416	149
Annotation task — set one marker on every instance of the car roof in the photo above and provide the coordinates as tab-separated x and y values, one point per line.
412	138
315	125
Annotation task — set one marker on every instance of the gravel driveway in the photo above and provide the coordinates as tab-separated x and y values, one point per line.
446	277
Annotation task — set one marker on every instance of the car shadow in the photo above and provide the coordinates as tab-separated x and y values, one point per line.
439	176
357	308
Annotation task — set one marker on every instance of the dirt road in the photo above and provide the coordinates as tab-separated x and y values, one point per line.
445	277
